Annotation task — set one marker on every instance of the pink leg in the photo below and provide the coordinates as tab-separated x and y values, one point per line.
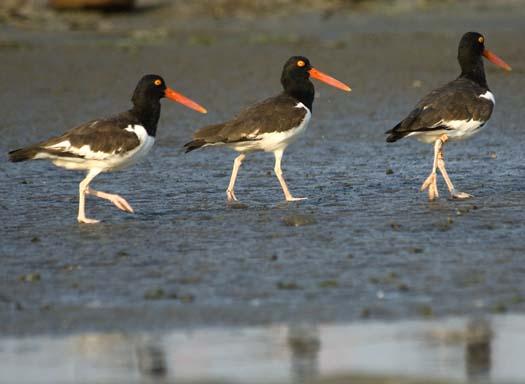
236	165
279	173
119	201
431	181
82	191
455	194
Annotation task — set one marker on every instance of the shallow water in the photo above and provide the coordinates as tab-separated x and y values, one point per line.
365	245
449	350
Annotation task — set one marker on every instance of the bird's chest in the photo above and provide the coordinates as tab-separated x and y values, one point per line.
139	152
276	140
144	148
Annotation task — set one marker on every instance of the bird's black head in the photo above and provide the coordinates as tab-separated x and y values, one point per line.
146	101
471	49
296	69
151	88
295	79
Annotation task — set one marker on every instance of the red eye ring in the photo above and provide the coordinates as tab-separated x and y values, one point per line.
301	63
157	82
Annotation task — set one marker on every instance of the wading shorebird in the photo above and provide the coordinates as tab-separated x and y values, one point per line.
270	125
108	144
453	112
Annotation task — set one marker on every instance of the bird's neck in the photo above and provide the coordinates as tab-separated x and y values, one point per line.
303	91
148	114
474	70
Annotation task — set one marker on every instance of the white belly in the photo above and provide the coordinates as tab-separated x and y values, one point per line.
460	130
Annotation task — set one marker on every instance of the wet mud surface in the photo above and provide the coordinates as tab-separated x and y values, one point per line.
365	245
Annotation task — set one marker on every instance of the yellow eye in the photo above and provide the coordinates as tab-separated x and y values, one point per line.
301	63
481	39
157	82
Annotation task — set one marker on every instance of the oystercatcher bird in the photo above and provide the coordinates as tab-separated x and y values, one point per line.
108	144
270	125
453	112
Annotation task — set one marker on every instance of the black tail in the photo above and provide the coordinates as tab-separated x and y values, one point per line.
394	134
192	145
23	154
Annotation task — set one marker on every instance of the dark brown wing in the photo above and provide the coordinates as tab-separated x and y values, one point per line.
457	100
276	114
97	139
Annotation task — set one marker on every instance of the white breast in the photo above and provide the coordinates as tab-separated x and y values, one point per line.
146	143
489	96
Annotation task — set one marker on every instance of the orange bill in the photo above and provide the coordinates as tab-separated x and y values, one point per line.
175	96
496	60
314	73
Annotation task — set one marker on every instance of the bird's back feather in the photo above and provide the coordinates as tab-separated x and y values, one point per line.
458	100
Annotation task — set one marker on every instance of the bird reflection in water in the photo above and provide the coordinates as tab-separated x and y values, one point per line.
304	343
151	360
478	350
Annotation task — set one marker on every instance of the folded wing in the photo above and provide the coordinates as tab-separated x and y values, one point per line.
276	114
95	140
444	109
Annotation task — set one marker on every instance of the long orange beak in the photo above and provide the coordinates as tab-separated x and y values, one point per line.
328	80
175	96
496	60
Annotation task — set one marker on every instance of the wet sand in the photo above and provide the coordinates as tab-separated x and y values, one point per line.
365	245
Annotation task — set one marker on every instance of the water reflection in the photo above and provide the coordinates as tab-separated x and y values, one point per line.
451	349
478	350
151	360
305	343
104	355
